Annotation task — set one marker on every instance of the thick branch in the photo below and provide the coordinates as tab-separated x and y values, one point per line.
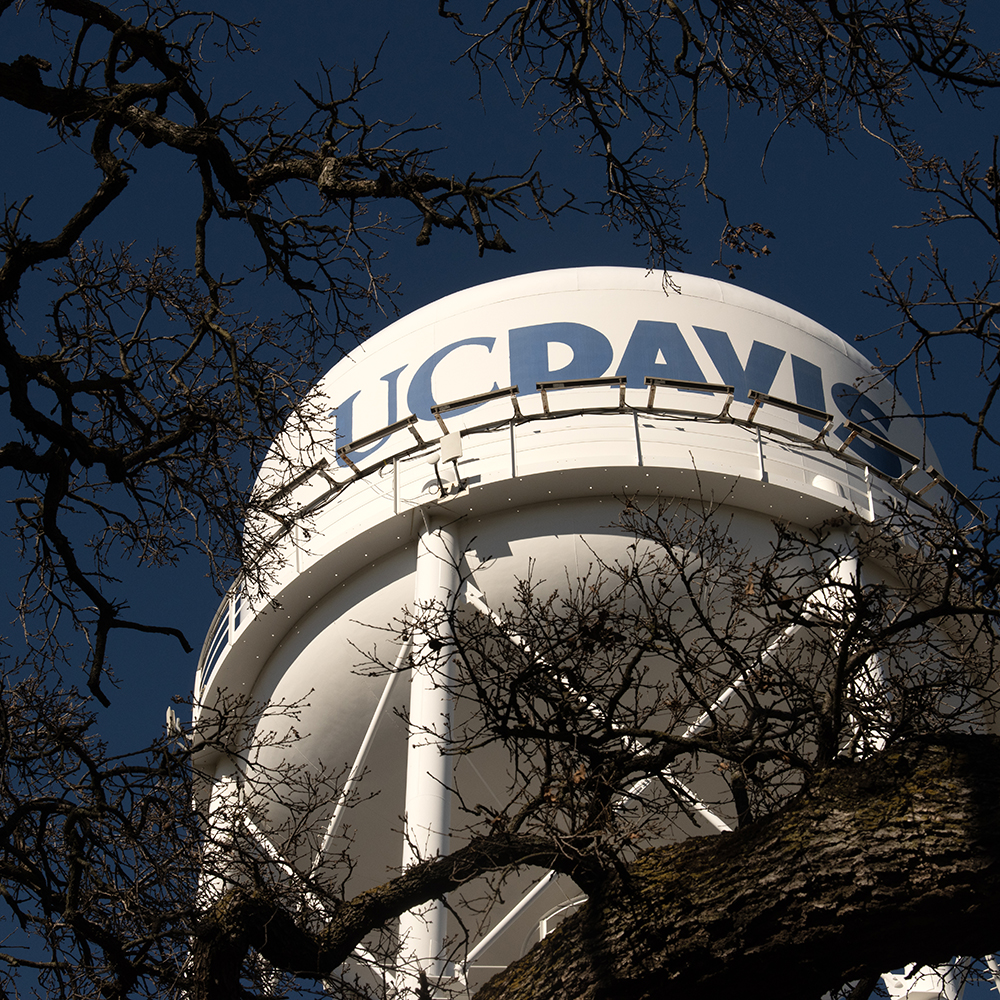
856	874
242	918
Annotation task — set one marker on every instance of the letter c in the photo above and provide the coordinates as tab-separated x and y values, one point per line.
420	396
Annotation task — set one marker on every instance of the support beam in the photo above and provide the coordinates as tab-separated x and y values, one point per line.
428	766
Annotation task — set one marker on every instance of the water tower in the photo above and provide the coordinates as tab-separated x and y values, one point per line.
493	429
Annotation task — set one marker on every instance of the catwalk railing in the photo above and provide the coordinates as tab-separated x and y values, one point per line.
235	610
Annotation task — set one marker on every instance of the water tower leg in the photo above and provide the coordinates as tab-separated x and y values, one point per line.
222	817
428	766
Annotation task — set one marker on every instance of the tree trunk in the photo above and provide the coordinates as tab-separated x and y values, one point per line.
877	864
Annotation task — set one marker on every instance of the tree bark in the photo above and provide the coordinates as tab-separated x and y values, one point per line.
875	865
243	917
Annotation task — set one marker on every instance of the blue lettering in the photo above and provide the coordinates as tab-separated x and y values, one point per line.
529	354
762	364
345	417
652	339
808	380
654	348
856	406
420	397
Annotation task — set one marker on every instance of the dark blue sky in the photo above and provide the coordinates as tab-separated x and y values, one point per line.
829	209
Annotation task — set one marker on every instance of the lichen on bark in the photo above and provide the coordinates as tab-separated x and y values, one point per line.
853	875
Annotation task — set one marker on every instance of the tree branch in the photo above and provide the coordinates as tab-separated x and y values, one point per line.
854	874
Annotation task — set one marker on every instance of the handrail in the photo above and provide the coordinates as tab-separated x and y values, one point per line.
407	423
298	480
685	386
856	430
466	401
583	383
762	398
938	479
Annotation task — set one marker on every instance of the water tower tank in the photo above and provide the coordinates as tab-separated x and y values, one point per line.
494	430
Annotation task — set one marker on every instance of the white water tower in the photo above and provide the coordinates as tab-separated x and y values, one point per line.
494	429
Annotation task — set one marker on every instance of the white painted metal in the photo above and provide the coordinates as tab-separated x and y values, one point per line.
223	811
939	982
994	967
452	505
630	745
361	760
515	911
428	764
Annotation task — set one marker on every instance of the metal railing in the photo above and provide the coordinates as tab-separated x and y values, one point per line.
223	630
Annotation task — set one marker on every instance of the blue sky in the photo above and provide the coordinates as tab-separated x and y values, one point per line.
829	210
